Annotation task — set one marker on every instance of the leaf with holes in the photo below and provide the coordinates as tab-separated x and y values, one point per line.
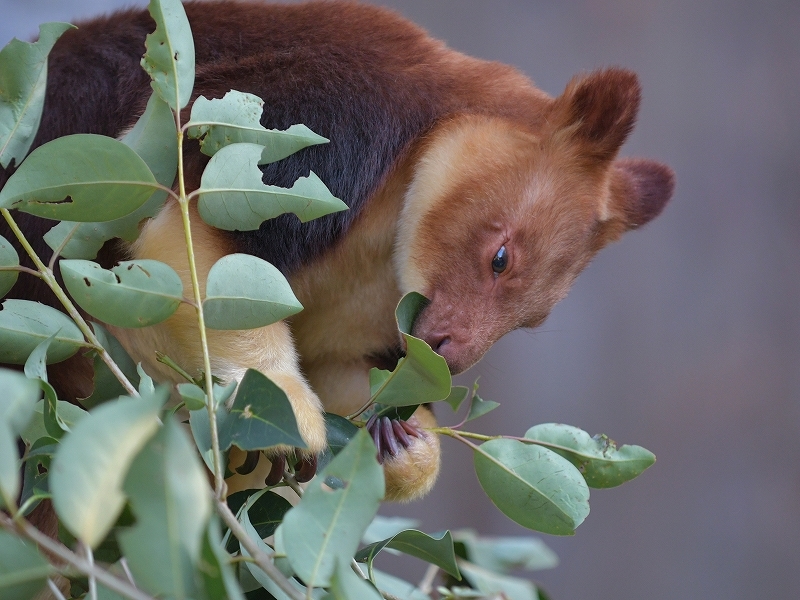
602	464
236	118
154	139
169	59
261	416
75	177
233	196
135	293
336	509
24	325
23	79
245	292
91	464
533	486
169	495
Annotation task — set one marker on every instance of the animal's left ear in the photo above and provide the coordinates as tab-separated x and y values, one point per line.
639	189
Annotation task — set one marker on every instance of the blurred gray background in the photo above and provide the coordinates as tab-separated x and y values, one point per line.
685	336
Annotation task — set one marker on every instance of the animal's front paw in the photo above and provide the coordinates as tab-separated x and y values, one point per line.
409	454
307	411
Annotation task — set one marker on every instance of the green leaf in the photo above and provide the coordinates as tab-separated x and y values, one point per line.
135	293
513	588
346	585
106	384
23	79
236	118
397	587
193	396
75	176
154	139
408	309
245	292
201	432
169	59
18	400
35	368
265	513
336	508
438	551
421	376
68	414
23	570
16	409
458	393
532	486
505	554
266	582
339	433
233	196
602	464
479	407
261	416
24	325
219	581
170	497
8	258
386	527
91	464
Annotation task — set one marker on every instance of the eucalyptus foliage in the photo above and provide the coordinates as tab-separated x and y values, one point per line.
128	481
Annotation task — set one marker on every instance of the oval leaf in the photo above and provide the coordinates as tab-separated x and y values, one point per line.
602	464
233	196
8	258
169	495
135	293
80	177
154	139
245	292
24	325
169	59
23	79
236	118
91	464
532	486
261	416
336	509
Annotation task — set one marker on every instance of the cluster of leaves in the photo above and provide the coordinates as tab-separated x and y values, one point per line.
136	514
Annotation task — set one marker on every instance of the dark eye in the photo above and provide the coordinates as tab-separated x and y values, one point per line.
500	260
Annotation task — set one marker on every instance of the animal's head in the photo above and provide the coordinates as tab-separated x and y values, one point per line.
501	218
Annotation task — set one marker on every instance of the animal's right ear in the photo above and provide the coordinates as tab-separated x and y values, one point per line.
598	111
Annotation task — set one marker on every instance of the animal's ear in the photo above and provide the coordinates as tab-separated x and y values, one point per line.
598	111
639	190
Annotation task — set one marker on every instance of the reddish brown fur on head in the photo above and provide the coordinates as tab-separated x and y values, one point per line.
552	195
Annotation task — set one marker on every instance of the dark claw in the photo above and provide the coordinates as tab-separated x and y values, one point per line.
401	434
376	437
410	429
250	462
276	471
305	469
389	440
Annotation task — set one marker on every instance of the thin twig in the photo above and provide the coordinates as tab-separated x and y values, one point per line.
48	277
426	585
22	269
92	579
54	589
261	559
62	552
